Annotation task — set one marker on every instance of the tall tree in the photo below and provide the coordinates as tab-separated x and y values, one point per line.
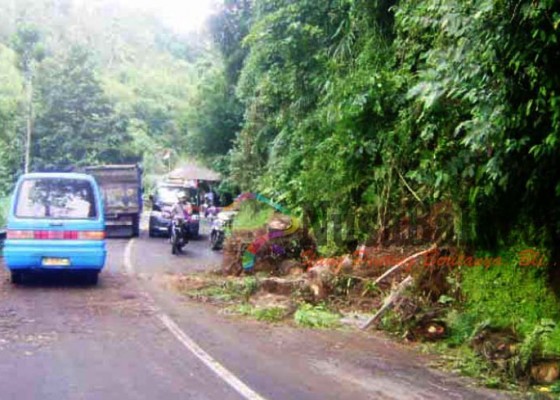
77	124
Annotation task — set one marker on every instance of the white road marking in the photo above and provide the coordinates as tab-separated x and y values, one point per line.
128	257
226	375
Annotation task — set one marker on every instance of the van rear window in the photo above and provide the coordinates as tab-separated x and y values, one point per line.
56	198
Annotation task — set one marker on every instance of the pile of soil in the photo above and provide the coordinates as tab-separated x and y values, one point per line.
272	252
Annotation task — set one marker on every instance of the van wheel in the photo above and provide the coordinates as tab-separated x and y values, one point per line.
17	277
91	278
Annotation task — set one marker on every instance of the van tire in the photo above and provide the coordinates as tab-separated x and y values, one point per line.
17	277
91	278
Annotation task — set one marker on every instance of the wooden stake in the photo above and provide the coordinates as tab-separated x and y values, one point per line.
389	301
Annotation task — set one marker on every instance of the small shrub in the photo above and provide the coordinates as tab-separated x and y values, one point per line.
316	316
268	314
249	287
252	215
461	327
226	291
551	343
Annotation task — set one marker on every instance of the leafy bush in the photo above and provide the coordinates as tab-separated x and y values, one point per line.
551	343
316	316
4	205
461	327
268	314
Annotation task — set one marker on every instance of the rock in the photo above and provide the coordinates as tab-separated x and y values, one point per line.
280	223
296	271
346	266
320	277
545	372
286	267
280	286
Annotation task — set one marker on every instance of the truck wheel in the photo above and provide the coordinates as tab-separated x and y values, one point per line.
17	277
136	228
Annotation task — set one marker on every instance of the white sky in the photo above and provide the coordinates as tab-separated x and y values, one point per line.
181	15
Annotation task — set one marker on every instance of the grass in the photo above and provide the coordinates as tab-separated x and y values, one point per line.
252	215
509	298
318	316
267	314
509	295
228	290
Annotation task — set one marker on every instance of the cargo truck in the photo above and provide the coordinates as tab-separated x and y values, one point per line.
121	188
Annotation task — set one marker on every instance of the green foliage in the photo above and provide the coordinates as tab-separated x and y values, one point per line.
267	314
462	327
11	97
76	124
551	343
214	115
467	362
223	293
227	290
249	287
318	316
140	76
532	344
4	207
252	215
509	295
362	111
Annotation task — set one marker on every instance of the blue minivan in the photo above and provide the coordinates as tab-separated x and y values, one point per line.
56	223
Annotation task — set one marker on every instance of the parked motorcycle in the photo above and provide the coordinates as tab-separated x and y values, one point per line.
220	224
179	235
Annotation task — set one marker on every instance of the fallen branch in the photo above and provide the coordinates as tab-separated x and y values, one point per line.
389	301
404	262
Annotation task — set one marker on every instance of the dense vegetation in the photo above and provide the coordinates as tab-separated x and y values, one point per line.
376	120
106	84
378	107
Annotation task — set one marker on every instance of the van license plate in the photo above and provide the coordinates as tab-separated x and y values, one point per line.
56	262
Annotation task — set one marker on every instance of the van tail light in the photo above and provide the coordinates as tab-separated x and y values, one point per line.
55	235
91	235
19	235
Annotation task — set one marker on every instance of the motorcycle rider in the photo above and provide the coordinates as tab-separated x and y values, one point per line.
180	208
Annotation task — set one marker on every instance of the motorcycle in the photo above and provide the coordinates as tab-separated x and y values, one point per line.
211	212
179	235
220	224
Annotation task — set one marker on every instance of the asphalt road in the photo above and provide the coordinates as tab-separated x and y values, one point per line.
61	340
